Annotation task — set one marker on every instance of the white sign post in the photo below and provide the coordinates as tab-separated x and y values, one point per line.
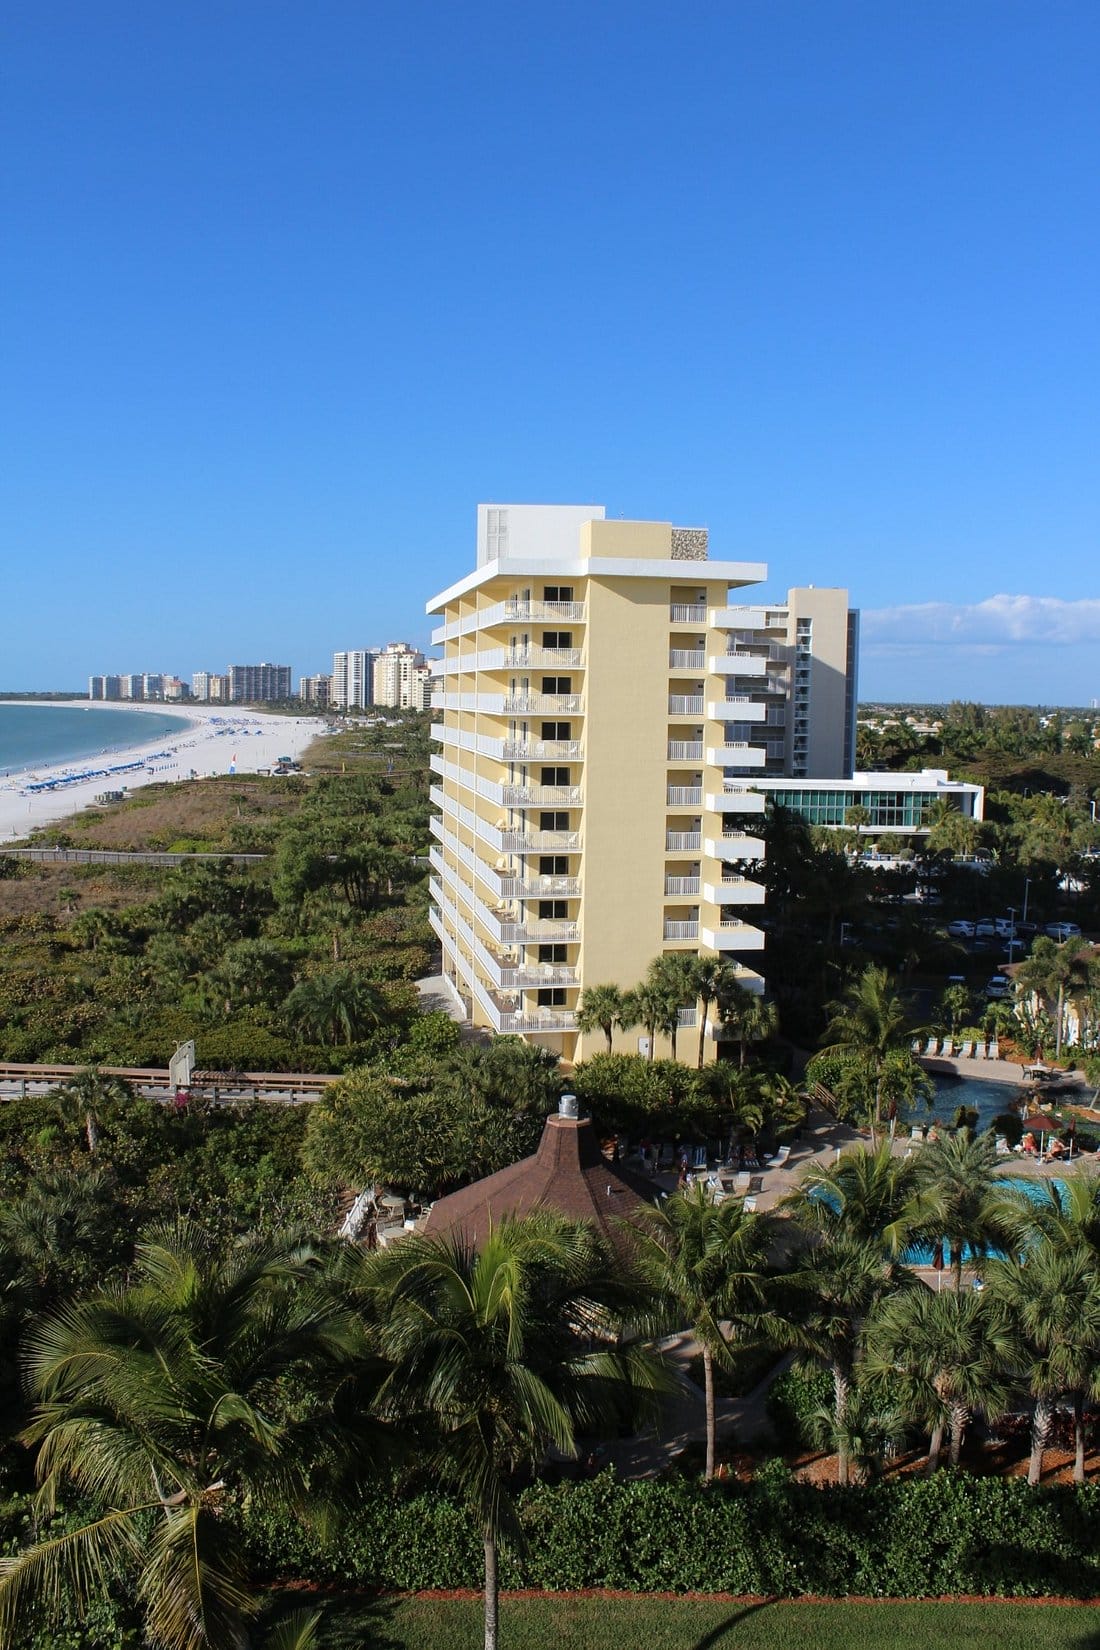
181	1065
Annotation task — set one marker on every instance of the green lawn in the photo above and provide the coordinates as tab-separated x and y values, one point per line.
690	1624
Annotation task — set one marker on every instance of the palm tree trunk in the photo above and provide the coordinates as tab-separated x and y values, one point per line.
91	1131
840	1416
1058	1023
1041	1417
703	1029
959	1417
712	1427
672	1039
492	1592
1078	1438
935	1445
609	1033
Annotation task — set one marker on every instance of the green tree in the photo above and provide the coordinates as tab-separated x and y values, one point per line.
502	1354
873	1197
748	1017
674	976
159	1403
336	1007
869	1028
958	1175
707	1264
646	1006
715	981
940	1356
1055	973
89	1099
601	1008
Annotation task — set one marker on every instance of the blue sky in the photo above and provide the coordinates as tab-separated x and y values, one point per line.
287	288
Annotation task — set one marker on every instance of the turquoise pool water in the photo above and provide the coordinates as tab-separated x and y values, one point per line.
985	1097
924	1254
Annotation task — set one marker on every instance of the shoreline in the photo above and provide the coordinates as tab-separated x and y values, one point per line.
216	740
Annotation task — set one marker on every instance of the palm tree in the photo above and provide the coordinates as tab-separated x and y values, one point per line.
1055	973
646	1006
1063	1214
1052	1302
869	1027
714	978
941	1356
333	1007
158	1401
502	1354
965	1201
747	1016
601	1009
673	974
873	1197
89	1098
707	1265
822	1305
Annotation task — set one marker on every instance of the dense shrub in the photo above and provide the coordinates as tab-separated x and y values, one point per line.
793	1397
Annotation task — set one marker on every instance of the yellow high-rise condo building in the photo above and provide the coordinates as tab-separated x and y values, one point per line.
603	711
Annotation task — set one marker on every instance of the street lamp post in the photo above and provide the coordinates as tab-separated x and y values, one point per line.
1027	889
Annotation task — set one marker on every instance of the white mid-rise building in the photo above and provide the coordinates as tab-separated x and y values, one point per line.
399	677
353	678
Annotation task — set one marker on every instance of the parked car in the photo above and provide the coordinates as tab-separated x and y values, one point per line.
960	930
998	985
1063	931
1015	949
986	929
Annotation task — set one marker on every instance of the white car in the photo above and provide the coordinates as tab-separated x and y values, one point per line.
1063	931
961	930
986	930
998	985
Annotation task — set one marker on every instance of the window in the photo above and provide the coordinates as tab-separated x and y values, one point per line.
554	776
552	909
557	730
554	820
557	638
552	996
552	953
553	865
557	593
557	684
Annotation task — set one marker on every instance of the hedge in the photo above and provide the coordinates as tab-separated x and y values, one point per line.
911	1538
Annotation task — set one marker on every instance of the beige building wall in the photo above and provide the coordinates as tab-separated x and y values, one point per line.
822	688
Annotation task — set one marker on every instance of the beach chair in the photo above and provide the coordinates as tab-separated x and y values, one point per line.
966	1051
933	1045
991	1050
756	1183
741	1182
1002	1147
699	1157
948	1048
749	1205
918	1045
781	1157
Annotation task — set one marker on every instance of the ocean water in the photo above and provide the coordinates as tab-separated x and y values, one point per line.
35	736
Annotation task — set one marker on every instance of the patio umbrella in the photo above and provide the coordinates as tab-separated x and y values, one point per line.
1040	1123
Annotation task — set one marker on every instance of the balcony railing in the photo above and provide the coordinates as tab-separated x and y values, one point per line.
738	664
687	612
535	750
521	658
684	796
685	750
546	1019
522	796
521	704
682	930
680	704
683	842
678	887
540	887
542	932
523	611
687	659
533	842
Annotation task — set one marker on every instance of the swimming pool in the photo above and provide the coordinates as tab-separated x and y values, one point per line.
1034	1188
981	1094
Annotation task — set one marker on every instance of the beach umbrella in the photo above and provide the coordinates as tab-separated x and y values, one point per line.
1040	1123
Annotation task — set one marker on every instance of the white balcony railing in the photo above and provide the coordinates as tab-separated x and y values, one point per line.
738	707
522	658
738	664
680	887
684	796
682	842
540	887
737	755
522	611
687	659
533	842
523	796
522	704
539	1020
680	704
536	750
685	750
733	936
687	612
541	932
734	891
682	930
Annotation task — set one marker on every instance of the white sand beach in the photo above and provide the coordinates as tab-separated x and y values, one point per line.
219	739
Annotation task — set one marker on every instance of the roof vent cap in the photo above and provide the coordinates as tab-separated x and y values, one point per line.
567	1106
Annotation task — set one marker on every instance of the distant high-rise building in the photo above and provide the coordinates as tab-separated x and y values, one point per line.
175	689
258	684
316	690
105	687
420	688
353	678
209	686
152	685
396	679
132	686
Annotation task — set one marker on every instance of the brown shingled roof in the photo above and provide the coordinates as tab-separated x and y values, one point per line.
568	1174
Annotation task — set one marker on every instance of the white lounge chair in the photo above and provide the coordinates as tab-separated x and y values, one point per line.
749	1205
781	1156
1002	1147
741	1183
992	1052
948	1048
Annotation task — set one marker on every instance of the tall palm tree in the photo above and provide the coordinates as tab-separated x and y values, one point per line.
869	1027
646	1006
335	1007
714	979
89	1098
821	1308
1055	973
159	1402
940	1356
502	1353
750	1018
601	1008
673	974
1064	1214
707	1264
1052	1302
964	1197
873	1197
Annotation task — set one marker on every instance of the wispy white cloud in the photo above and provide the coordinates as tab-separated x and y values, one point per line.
989	625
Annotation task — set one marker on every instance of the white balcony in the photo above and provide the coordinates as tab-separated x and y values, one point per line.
737	664
684	796
737	708
680	704
734	846
526	704
682	887
682	842
685	750
693	659
542	931
687	613
558	658
737	618
534	842
541	750
739	755
733	936
524	796
538	1020
736	799
682	930
734	891
540	887
435	794
523	611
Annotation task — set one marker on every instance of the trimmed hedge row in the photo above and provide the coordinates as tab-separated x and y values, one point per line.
912	1538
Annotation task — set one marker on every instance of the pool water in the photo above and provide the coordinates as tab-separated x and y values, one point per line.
924	1254
980	1094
